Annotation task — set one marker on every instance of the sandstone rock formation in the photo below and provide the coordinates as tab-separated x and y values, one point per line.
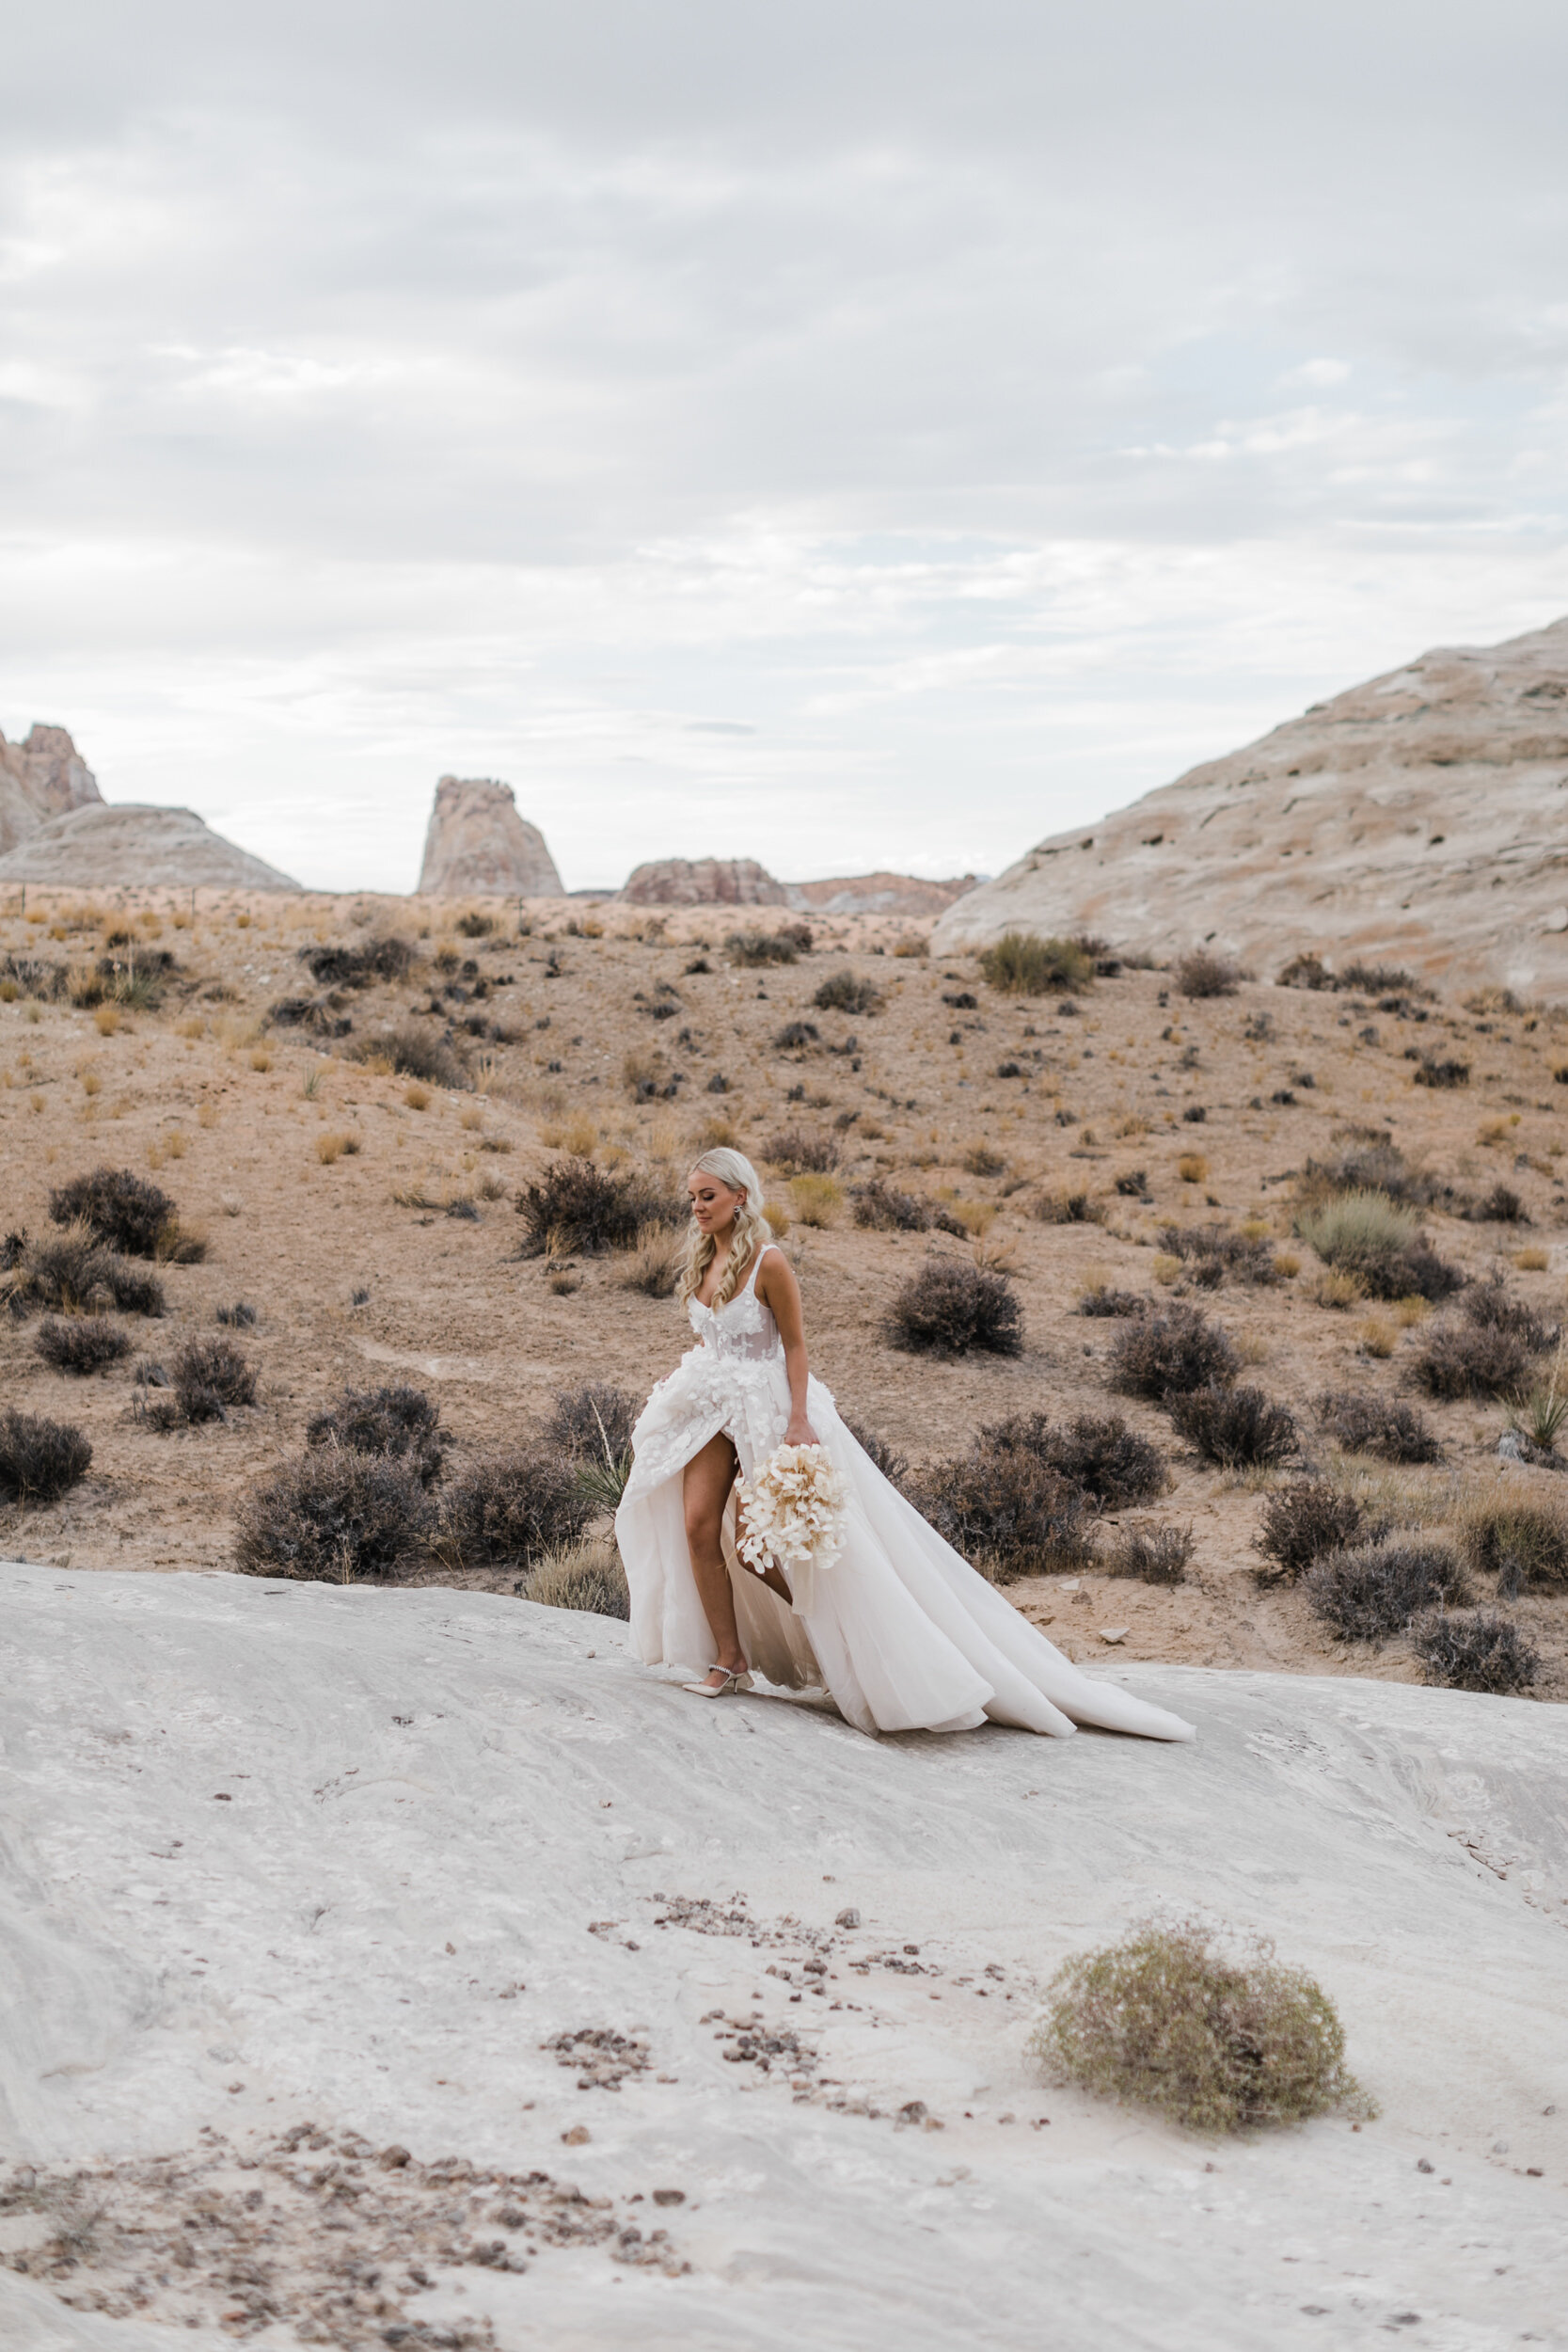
477	842
678	881
703	881
1420	818
125	844
40	779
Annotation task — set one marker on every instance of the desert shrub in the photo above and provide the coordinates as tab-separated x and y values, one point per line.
1167	2019
816	1200
886	1458
1106	1461
842	992
1388	1428
575	1207
1378	979
1237	1427
1474	1649
1067	1208
209	1376
1210	1246
583	1421
39	1460
82	1344
1368	1590
1431	1071
335	1516
514	1503
586	1574
980	1160
653	1266
1172	1352
1500	1207
475	926
400	1423
799	1151
951	1308
319	1016
77	1275
118	1207
1375	1238
1521	1539
1301	1522
1306	970
796	1033
1104	1301
240	1316
1367	1161
1484	1350
1021	964
1005	1509
416	1050
357	967
762	948
1204	975
881	1208
1154	1555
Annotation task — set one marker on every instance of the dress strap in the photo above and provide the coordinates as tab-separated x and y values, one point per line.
756	1265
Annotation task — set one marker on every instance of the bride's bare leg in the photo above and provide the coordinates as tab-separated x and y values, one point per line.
705	1490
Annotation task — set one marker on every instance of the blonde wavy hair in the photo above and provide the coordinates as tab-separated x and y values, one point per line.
752	1234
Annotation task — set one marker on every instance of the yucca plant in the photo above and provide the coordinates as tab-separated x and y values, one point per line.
1541	1416
602	1476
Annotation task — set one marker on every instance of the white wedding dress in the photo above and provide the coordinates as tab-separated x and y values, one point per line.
900	1630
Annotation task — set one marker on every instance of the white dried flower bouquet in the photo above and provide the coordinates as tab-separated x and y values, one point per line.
794	1510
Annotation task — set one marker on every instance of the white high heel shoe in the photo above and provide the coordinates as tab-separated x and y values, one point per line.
733	1680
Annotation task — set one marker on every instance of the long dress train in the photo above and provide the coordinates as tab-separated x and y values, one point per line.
902	1632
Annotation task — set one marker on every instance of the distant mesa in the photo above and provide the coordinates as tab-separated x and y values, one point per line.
127	845
1418	818
477	842
678	881
40	779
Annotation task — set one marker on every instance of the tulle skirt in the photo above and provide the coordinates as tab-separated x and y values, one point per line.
900	1630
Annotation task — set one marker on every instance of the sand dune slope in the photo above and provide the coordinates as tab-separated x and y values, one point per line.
284	1852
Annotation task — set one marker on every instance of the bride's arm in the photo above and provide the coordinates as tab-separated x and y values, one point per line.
781	1294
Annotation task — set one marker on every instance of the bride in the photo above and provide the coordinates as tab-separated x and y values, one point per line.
902	1632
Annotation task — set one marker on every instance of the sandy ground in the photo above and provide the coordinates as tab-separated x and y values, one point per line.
296	1875
231	1115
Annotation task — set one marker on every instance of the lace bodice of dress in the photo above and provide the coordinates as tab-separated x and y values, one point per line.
743	1327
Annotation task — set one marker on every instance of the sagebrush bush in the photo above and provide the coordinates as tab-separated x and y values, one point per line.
1474	1649
1432	1072
951	1308
76	1275
1486	1349
1154	1555
1202	973
1500	1207
844	991
881	1208
1303	1521
418	1050
1110	1464
39	1460
1239	1428
1067	1208
1100	1300
511	1505
1376	1238
1368	1591
1005	1509
586	1574
117	1207
335	1516
1386	1426
577	1208
1212	1249
1367	1161
82	1344
761	948
584	1422
209	1376
387	958
893	1465
401	1424
1215	2043
1170	1353
802	1152
1520	1538
795	1035
1021	964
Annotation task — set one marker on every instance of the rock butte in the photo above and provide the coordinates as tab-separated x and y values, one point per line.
678	881
478	843
452	1823
126	844
40	779
1418	818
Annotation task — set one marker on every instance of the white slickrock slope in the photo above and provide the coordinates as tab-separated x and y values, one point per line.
433	1794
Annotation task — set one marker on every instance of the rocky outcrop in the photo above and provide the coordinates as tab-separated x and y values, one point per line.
703	881
477	844
40	778
740	882
1420	818
121	844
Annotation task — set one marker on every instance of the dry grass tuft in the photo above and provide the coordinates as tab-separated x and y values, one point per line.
1519	1538
1152	1555
587	1574
817	1199
1193	1169
1021	964
653	1266
345	1145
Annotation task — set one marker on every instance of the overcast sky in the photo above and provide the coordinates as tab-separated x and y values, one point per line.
846	435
